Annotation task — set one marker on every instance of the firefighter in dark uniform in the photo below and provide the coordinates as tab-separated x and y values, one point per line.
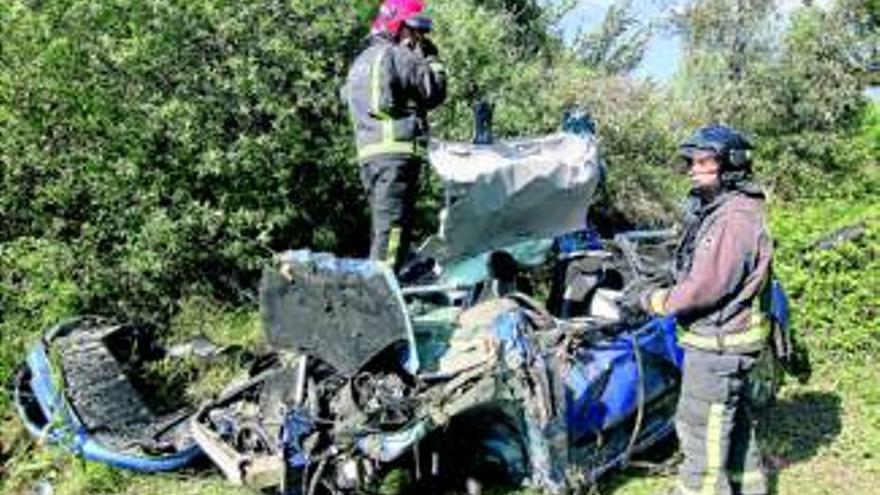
723	270
391	87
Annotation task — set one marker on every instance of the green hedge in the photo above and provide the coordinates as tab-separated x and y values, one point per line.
170	143
151	150
835	288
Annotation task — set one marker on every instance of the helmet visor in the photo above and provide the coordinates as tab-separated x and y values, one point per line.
687	152
420	23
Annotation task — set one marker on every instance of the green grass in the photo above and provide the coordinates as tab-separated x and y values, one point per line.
821	437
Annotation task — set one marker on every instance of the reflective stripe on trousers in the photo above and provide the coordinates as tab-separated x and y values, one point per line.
391	184
393	246
715	428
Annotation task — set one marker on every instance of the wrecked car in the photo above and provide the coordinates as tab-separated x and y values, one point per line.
508	351
457	375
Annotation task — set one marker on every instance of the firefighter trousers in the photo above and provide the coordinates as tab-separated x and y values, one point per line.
391	184
715	427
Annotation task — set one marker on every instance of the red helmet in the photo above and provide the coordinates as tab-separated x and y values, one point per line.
395	13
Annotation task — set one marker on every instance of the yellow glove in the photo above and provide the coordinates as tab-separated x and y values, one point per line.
654	301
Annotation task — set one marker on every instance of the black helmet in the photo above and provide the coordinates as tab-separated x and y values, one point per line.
729	145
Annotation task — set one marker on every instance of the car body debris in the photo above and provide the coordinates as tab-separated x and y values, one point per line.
455	376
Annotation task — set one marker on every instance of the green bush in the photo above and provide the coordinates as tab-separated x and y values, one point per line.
834	290
527	80
639	134
37	289
177	143
796	91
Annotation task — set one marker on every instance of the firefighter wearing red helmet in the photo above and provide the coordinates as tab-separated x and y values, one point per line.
391	86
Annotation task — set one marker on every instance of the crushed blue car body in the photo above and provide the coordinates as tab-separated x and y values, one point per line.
603	383
501	385
49	414
497	362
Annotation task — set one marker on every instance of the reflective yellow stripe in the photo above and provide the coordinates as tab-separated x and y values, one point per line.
393	245
396	147
713	449
386	144
376	87
658	302
749	478
757	334
388	130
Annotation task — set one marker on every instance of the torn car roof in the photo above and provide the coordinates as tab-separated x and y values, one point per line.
511	191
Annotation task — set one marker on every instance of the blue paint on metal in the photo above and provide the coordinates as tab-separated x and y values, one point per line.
602	384
507	329
296	427
62	427
779	305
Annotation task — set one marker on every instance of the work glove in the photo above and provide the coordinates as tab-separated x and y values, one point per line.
653	301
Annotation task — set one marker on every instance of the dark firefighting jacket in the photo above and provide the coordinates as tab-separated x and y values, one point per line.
390	89
723	270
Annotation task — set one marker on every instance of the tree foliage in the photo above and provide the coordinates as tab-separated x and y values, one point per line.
525	82
167	142
728	45
618	46
793	87
638	134
861	20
